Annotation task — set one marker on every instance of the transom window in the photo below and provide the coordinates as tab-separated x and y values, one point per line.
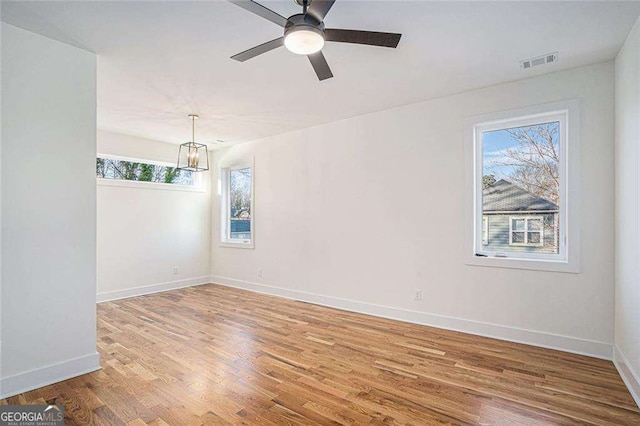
127	169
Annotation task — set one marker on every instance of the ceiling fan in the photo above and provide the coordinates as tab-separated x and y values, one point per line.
305	34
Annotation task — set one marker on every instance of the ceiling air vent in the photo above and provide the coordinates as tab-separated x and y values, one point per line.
539	60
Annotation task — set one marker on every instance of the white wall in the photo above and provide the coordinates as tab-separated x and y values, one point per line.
627	161
48	211
362	212
143	233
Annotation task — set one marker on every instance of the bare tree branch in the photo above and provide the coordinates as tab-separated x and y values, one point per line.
534	163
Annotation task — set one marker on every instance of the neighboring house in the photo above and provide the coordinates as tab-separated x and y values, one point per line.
240	224
515	220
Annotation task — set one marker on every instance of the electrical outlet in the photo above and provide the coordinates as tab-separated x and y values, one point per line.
176	271
259	272
418	295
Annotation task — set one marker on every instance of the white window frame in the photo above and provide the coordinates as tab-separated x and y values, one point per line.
568	258
526	231
223	191
198	179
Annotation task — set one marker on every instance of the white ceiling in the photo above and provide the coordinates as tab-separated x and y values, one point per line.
159	61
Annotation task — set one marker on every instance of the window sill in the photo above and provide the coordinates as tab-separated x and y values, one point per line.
148	185
528	264
239	244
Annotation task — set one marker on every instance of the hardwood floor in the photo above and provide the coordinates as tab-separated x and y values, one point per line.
217	355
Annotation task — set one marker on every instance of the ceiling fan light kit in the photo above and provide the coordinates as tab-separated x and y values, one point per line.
305	34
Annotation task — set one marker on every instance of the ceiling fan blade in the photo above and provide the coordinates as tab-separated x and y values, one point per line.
262	11
319	8
320	66
371	38
259	50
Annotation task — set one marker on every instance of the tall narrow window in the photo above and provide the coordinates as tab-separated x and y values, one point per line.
521	186
237	206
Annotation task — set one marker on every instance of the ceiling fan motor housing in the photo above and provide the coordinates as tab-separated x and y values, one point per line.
302	22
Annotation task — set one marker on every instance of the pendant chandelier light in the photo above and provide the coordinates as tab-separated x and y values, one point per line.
193	156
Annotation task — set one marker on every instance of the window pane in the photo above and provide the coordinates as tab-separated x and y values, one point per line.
240	204
128	170
520	177
517	224
535	224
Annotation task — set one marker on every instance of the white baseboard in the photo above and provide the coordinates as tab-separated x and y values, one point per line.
33	379
629	376
575	345
148	289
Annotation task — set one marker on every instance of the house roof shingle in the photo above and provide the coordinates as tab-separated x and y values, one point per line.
504	196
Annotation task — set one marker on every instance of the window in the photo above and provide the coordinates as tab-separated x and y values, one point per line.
237	206
485	230
113	168
520	164
524	164
526	231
